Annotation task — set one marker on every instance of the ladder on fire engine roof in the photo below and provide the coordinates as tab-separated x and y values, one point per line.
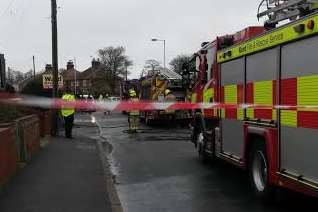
280	10
169	74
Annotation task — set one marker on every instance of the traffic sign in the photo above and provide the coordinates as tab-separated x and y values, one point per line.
48	81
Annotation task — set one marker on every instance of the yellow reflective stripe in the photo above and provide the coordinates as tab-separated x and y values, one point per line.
274	116
278	36
215	112
194	98
222	111
289	118
250	113
263	93
307	90
208	95
240	114
230	94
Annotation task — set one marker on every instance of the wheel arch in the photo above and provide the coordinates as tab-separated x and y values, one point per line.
251	139
268	136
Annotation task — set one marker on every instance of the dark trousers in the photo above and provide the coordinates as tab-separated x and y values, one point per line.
68	123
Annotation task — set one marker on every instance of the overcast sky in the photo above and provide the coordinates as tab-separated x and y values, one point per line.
86	26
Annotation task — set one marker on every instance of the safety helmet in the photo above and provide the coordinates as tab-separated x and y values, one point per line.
132	93
167	92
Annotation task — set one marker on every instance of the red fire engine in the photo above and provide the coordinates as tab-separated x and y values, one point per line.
267	83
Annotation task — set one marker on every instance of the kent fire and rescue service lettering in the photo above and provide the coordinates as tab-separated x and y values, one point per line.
276	37
261	43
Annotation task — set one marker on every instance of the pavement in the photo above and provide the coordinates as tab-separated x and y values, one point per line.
158	170
65	176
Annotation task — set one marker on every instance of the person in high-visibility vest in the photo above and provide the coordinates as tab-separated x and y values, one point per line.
169	97
133	116
100	98
68	114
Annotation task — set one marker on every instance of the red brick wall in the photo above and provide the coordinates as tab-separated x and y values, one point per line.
45	123
8	155
29	130
26	134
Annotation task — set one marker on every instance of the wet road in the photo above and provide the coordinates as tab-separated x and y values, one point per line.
158	170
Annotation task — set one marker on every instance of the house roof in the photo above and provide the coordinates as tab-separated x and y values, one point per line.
69	74
95	72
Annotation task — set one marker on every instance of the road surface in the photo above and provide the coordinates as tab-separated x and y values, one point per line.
158	170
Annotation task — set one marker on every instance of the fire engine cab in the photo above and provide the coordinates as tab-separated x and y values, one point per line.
264	83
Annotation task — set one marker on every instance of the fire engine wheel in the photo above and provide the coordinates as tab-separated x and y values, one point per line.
259	171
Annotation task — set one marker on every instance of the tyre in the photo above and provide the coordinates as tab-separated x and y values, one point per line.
259	172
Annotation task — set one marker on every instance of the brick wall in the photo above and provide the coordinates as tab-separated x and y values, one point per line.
29	133
26	135
45	123
8	155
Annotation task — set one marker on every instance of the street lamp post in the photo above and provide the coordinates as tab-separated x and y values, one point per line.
54	131
164	50
75	77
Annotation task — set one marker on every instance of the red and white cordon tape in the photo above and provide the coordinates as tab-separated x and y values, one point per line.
50	103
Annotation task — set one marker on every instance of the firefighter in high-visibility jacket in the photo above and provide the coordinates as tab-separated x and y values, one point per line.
170	114
68	114
133	116
169	97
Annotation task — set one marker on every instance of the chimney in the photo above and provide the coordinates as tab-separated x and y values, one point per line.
48	68
70	65
95	63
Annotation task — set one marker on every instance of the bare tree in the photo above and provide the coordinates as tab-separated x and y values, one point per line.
142	73
14	76
152	66
114	60
28	74
10	76
19	76
127	64
178	62
116	63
